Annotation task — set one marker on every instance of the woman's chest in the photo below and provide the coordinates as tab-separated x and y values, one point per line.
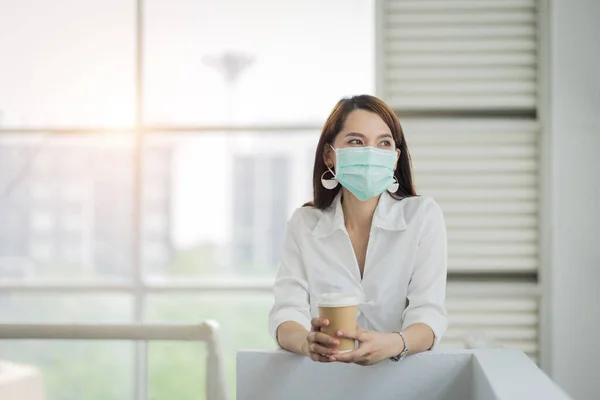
359	245
333	263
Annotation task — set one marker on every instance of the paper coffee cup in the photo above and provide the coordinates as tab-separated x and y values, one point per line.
341	310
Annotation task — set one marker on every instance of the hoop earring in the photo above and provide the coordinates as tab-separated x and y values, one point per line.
329	184
394	186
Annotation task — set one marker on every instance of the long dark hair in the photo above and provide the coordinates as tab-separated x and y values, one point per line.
335	123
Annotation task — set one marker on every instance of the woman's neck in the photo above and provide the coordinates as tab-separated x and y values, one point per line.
358	215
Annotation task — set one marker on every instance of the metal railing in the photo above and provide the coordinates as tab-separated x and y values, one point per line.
207	332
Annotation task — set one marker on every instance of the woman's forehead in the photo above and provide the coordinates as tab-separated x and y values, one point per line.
365	122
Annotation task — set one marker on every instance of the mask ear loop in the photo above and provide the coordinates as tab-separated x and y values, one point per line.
396	185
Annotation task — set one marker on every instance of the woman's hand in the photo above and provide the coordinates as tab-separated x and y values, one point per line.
320	346
373	347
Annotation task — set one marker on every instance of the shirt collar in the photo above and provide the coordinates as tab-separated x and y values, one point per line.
386	216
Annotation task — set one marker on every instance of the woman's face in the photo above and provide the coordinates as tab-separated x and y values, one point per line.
362	128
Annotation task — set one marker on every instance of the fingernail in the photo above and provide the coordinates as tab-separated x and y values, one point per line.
340	333
332	358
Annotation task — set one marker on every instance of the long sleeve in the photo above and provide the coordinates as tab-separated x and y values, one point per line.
427	288
291	287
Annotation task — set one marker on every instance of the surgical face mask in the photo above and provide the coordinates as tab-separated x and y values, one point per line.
365	171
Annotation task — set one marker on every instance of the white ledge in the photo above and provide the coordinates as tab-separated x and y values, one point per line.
462	374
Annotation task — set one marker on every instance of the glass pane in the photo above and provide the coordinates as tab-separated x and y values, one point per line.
65	206
67	63
61	308
178	370
210	208
71	369
263	61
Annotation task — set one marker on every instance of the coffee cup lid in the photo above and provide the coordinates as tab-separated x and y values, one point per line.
337	300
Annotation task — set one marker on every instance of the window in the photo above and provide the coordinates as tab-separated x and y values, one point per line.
107	364
43	222
52	209
41	191
260	62
71	63
74	191
232	98
42	251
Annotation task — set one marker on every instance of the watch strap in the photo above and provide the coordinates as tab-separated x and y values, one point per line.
404	351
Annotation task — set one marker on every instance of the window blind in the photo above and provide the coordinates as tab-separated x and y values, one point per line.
457	55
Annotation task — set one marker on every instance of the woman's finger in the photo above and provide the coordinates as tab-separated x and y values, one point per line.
319	358
325	339
317	323
356	335
317	348
351	356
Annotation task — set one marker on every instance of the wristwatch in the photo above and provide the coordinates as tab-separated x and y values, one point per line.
404	351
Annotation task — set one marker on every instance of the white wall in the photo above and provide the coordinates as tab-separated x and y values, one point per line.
573	114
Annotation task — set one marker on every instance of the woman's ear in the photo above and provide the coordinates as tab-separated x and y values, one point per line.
398	152
328	156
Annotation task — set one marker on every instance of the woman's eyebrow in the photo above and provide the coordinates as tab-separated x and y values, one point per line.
360	135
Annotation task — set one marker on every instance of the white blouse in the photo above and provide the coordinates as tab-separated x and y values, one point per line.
404	279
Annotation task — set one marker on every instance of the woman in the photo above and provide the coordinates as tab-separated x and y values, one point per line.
366	233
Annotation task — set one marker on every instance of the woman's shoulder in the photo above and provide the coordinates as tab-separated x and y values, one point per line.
417	208
305	217
417	203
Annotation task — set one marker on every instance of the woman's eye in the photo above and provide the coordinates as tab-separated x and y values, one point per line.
386	143
355	141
